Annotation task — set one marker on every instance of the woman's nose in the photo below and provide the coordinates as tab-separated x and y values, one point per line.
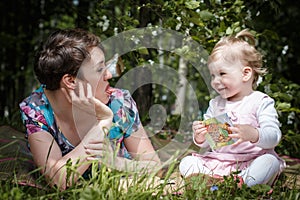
107	75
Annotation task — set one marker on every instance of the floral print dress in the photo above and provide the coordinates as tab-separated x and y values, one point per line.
37	115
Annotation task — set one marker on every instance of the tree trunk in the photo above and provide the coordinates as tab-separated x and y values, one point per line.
181	92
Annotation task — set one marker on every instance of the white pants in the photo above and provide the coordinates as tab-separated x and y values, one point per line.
263	170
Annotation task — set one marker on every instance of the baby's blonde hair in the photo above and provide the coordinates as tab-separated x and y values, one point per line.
240	47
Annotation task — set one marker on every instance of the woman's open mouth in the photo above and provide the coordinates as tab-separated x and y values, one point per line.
109	90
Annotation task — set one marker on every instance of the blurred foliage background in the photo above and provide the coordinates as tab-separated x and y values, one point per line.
24	24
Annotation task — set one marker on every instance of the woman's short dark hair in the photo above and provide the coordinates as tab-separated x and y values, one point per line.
63	53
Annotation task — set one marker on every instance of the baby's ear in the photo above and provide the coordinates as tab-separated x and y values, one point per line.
247	73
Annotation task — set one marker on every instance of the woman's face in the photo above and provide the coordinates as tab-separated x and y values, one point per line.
94	71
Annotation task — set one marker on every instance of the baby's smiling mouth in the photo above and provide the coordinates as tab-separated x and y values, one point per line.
221	89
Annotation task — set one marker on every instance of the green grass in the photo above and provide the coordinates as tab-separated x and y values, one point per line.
110	184
107	183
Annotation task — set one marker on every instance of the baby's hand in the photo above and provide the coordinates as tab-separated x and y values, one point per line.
244	133
200	131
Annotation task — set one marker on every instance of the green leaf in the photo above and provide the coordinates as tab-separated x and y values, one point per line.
222	27
206	15
283	106
143	51
229	31
192	4
282	96
182	51
197	21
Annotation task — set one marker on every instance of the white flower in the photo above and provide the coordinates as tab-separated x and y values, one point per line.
135	40
151	62
178	26
104	17
105	25
115	30
154	33
259	80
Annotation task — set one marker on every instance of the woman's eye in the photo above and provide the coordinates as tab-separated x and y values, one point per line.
101	66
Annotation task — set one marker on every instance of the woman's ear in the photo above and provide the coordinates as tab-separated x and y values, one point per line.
69	81
247	73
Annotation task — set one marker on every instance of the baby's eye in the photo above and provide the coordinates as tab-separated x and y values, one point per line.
222	73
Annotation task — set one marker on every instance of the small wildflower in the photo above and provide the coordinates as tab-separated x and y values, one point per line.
214	188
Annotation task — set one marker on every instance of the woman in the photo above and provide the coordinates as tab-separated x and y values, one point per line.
68	117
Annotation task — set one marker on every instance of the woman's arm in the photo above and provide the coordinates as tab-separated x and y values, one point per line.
141	149
48	157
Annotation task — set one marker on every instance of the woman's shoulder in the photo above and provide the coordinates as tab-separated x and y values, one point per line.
120	93
125	111
36	108
36	98
122	96
36	113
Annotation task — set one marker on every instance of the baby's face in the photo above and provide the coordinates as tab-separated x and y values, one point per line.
227	78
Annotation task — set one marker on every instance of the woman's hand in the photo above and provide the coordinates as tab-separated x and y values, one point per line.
95	142
97	116
99	149
244	133
200	131
86	102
